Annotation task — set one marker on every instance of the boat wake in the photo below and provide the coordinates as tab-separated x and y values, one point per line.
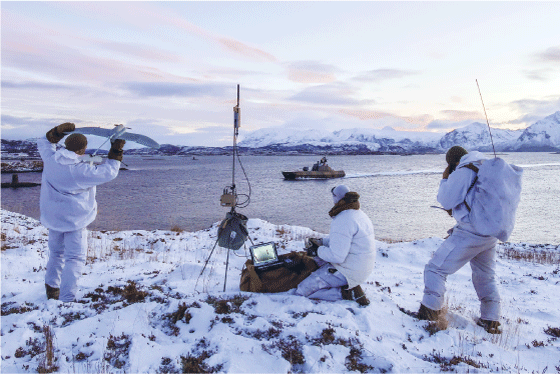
412	172
392	173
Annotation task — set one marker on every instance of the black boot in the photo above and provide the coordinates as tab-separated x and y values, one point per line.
491	327
427	314
52	293
356	294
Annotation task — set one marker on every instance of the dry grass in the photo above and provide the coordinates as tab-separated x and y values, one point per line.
390	241
538	253
177	229
48	362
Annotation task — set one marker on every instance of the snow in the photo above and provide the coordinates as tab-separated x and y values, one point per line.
135	281
294	137
544	133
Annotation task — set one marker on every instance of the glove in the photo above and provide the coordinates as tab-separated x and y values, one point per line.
116	151
311	246
56	134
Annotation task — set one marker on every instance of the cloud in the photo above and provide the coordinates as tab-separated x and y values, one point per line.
545	106
17	128
389	119
539	74
150	53
365	114
461	115
440	124
311	72
169	89
329	94
552	54
549	57
538	109
36	85
380	75
238	47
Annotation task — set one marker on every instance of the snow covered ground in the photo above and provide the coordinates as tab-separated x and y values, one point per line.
141	310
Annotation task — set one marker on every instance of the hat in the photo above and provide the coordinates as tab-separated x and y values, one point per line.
454	154
339	192
75	142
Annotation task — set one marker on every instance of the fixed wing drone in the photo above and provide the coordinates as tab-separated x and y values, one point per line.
119	132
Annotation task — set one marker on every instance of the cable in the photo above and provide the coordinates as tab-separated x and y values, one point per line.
247	201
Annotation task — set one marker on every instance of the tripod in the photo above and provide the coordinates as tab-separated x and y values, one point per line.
230	199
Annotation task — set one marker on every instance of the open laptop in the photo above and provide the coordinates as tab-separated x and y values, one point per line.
265	256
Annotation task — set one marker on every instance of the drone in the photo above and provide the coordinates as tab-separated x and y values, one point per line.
119	132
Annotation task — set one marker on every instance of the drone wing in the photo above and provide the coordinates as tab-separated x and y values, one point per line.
98	131
140	139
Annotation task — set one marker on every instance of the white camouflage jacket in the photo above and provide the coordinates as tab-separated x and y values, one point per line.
350	246
68	187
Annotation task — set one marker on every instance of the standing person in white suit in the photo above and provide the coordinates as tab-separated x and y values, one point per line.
463	245
346	257
68	204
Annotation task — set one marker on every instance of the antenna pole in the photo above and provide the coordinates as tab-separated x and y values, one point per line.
488	123
236	124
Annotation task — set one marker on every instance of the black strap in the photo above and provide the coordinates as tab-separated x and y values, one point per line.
475	169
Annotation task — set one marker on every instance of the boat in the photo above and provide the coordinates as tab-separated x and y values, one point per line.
320	170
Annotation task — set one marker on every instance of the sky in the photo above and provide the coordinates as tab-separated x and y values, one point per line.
170	70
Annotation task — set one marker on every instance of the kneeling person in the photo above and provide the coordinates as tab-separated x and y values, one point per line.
346	257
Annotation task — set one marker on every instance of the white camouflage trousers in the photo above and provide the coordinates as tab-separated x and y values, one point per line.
323	284
460	247
66	259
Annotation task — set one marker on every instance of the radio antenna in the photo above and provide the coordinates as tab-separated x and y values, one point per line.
488	123
236	123
234	224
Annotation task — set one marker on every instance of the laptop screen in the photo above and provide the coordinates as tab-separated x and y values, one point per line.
264	254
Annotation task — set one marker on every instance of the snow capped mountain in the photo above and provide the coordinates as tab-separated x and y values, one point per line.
384	140
542	135
477	136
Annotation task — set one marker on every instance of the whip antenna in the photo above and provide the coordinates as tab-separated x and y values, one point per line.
488	123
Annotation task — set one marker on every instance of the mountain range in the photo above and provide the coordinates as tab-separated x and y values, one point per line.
542	136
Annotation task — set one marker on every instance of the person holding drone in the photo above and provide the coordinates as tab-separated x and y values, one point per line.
68	204
346	257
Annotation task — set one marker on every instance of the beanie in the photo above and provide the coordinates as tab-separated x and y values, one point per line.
75	142
339	192
454	154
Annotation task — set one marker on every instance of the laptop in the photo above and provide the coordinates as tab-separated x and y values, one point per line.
265	256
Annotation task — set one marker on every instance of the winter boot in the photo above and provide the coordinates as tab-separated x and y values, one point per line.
356	294
52	293
427	314
491	327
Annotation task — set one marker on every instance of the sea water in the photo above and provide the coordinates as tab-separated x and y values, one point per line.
397	192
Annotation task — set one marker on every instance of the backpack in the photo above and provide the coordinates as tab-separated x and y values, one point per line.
497	191
279	279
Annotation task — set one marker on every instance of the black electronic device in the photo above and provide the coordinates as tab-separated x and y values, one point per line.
265	256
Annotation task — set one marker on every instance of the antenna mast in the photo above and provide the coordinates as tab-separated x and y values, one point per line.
236	124
488	123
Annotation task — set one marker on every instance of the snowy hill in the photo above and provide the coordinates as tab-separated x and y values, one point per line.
143	309
375	140
477	137
542	135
